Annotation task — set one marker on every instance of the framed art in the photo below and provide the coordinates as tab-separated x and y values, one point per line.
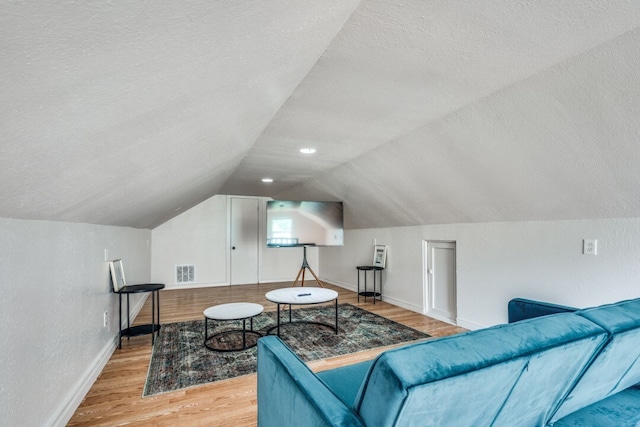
379	255
117	275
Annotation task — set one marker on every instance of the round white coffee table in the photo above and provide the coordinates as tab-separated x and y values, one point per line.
232	311
302	296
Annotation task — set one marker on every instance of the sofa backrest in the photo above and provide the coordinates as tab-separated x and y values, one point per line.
522	308
617	366
514	374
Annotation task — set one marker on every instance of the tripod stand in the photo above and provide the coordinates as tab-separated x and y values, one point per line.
305	265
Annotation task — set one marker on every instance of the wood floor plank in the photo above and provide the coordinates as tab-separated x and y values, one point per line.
116	396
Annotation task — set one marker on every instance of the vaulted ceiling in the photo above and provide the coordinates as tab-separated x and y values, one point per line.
422	112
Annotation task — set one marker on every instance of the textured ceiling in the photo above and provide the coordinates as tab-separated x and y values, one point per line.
423	112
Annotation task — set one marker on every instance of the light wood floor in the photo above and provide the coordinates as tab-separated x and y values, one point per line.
116	396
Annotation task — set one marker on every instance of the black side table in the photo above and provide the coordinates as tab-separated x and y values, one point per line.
151	328
365	293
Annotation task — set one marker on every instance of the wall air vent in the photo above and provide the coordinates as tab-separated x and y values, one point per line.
185	274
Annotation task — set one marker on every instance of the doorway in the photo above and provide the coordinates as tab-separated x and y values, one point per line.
243	237
440	280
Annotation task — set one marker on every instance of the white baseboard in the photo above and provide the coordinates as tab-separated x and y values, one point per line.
340	284
404	304
195	285
219	284
283	280
469	325
73	401
69	405
394	301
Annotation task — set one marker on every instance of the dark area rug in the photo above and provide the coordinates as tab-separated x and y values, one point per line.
179	358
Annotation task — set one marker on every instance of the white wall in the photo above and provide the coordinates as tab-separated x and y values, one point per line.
498	261
55	283
200	236
55	289
197	236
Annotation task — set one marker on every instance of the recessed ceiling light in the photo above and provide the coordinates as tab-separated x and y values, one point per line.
307	150
267	180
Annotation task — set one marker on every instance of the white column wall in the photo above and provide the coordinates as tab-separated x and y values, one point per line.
200	236
55	289
499	261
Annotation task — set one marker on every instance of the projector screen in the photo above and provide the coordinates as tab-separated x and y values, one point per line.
295	223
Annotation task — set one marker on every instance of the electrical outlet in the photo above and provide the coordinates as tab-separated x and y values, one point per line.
105	319
590	247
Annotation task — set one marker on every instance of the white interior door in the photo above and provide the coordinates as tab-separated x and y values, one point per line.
244	241
441	280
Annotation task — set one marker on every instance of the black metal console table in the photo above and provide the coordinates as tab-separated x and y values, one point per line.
151	328
375	294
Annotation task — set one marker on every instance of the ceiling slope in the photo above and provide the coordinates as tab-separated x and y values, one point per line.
438	113
129	112
422	111
562	144
396	67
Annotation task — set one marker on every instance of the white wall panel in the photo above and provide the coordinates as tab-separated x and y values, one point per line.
199	236
55	289
499	261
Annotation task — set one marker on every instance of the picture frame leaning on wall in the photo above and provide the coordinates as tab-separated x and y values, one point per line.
117	275
379	256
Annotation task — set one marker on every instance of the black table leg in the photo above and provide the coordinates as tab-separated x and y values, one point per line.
244	333
206	329
153	318
278	319
120	320
128	319
158	304
336	316
374	287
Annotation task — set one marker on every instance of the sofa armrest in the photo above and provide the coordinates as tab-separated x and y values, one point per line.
520	309
289	393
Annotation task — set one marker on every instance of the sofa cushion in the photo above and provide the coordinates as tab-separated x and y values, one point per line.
508	375
621	409
617	367
345	381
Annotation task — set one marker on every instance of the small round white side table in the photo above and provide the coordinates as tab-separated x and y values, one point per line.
232	311
301	296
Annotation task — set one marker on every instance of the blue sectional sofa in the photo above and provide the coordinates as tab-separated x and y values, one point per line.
571	368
